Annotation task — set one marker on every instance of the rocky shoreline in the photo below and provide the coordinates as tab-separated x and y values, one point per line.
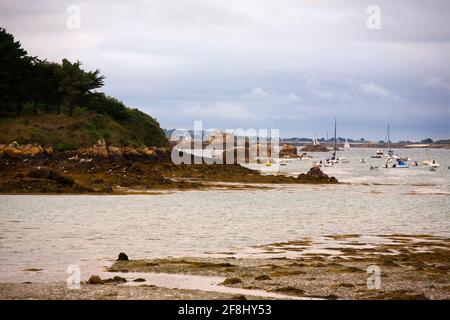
104	169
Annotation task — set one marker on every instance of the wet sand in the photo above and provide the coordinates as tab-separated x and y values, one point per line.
333	267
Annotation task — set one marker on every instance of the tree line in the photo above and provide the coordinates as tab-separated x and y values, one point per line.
48	87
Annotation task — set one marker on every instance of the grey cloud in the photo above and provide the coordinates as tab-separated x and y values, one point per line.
258	63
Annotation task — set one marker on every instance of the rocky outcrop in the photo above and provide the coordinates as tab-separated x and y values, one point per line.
97	280
315	175
14	150
314	148
289	150
103	150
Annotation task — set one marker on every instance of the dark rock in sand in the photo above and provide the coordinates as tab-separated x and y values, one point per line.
139	280
119	279
239	297
95	280
98	280
122	257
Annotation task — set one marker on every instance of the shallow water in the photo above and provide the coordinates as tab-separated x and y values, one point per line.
50	232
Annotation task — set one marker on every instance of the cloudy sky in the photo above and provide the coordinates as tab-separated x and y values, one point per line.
288	64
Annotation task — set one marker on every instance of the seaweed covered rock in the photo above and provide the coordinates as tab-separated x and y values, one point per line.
42	173
314	148
95	280
122	257
315	175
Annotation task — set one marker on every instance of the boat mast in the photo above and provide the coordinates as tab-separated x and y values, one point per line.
335	139
389	138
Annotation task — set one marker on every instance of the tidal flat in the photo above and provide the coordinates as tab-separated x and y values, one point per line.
330	267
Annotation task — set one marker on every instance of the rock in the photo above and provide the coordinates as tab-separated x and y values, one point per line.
315	175
122	257
31	150
119	279
15	150
139	280
315	148
55	176
315	172
288	150
42	173
12	151
98	280
229	281
239	297
263	277
148	152
95	280
48	151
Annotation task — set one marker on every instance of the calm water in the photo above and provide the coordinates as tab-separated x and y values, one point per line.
51	232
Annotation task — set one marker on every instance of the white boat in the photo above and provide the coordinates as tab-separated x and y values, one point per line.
305	156
400	164
315	141
431	163
378	154
346	144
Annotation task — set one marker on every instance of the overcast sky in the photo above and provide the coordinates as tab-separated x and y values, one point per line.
288	64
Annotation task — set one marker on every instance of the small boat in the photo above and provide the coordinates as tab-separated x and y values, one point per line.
431	163
268	164
363	160
378	154
305	156
400	164
373	168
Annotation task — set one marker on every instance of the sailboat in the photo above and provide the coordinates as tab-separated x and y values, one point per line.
315	141
334	159
346	144
390	156
390	153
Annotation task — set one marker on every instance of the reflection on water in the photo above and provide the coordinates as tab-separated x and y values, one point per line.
53	231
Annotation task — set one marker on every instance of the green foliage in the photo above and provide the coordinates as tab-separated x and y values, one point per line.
31	85
75	83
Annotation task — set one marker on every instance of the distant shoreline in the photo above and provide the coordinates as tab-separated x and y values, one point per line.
372	145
